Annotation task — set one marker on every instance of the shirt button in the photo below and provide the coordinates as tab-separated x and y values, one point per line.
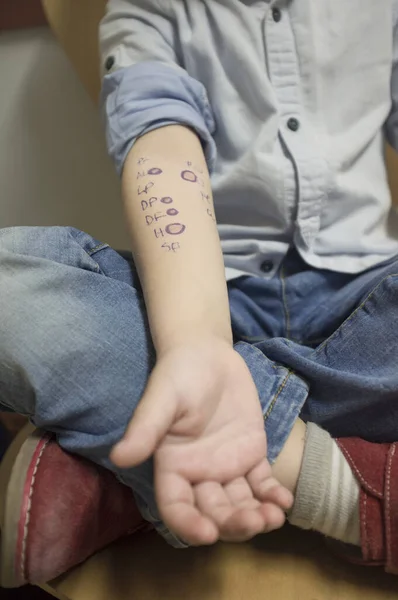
110	61
293	124
267	266
276	14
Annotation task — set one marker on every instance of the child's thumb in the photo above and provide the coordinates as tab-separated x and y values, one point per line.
150	423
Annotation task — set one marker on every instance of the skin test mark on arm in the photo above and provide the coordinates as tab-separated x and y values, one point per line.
145	190
189	176
171	247
175	228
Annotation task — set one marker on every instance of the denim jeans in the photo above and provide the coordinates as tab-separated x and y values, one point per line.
76	352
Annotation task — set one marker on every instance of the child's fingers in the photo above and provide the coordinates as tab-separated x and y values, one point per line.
237	520
176	503
266	488
274	517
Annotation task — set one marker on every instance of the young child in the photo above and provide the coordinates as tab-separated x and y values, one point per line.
221	405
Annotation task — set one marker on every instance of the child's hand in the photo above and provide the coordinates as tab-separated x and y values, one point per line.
202	420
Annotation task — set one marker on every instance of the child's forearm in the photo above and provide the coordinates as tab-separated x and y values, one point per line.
176	247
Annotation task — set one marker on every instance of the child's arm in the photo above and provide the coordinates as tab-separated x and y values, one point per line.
170	211
200	415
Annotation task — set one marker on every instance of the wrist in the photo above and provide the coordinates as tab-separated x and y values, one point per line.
194	334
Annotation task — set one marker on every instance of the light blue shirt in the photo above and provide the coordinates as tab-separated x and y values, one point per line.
291	100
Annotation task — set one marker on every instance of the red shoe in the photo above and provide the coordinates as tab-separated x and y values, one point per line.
376	469
56	510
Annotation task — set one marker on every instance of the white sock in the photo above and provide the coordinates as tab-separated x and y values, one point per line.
327	495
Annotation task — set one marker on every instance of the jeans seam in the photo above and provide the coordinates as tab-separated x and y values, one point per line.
92	251
97	248
256	339
278	393
354	313
88	252
285	303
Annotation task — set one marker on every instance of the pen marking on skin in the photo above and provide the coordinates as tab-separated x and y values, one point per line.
175	228
158	233
172	212
145	189
148	203
211	215
190	164
189	176
173	247
150	219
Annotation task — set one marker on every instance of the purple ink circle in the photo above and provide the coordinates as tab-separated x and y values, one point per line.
155	171
175	228
172	212
166	200
189	176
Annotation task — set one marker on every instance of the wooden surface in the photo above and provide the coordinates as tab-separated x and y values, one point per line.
287	565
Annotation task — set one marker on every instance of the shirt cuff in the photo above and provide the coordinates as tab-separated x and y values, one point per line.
150	95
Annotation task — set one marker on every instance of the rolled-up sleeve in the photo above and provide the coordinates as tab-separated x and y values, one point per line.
144	86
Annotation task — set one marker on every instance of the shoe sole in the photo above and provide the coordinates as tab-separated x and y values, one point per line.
17	475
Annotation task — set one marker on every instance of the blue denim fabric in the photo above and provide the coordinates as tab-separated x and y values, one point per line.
75	349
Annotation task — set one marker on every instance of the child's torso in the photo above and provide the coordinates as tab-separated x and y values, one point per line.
300	95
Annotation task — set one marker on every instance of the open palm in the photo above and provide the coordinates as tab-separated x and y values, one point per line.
202	420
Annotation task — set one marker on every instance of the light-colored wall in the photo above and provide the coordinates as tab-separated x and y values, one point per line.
53	164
